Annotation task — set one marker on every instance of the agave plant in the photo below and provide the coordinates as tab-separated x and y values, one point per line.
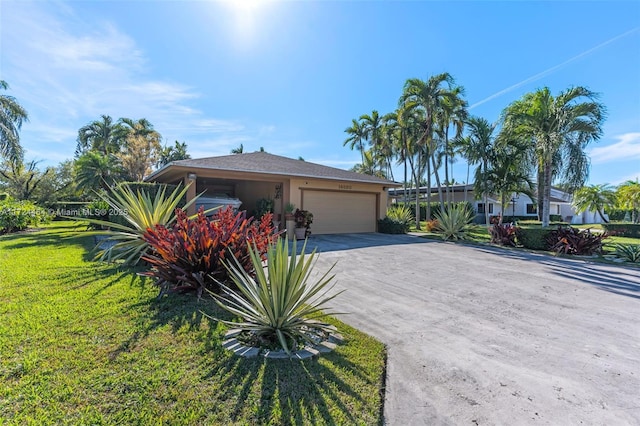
454	222
140	212
401	214
628	252
280	304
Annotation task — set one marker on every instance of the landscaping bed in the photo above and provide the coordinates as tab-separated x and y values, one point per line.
88	343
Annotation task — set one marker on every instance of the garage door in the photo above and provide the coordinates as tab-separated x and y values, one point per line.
340	212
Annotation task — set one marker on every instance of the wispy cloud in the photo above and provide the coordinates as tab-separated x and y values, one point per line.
86	69
626	149
552	69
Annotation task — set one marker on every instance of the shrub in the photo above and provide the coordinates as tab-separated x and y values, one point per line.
432	224
280	306
533	238
392	226
504	234
623	229
19	215
569	240
454	222
189	255
628	252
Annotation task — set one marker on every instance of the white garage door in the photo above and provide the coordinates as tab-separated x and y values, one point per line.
340	212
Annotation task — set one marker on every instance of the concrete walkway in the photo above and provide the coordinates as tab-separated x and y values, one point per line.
481	336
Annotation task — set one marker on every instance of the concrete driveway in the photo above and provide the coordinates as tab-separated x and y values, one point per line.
479	335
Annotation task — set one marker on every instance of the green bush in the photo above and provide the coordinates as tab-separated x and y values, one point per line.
401	214
392	226
19	215
534	238
455	222
554	218
435	209
623	229
628	252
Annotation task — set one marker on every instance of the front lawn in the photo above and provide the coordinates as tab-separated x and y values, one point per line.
86	343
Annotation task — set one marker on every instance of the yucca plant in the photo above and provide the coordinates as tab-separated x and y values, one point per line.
280	304
454	222
401	214
140	212
628	252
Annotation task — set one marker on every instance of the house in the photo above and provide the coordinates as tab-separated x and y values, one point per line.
517	205
341	201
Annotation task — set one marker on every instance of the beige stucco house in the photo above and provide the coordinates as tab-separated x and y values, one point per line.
341	201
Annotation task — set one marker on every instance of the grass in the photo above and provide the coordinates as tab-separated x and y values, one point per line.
87	343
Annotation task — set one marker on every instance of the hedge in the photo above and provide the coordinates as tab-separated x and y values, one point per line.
435	208
534	238
623	229
390	226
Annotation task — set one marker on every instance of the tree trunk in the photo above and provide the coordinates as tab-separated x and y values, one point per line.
486	209
602	216
466	184
437	176
546	197
540	192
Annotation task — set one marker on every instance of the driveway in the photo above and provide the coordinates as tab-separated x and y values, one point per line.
480	336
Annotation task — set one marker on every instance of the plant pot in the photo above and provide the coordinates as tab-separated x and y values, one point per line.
288	216
300	233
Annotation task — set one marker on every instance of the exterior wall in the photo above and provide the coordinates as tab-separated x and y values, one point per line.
251	191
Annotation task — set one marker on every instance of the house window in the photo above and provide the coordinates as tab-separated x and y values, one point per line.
481	208
532	209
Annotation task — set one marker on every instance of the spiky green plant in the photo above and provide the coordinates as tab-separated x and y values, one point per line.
628	252
140	212
280	304
400	213
454	222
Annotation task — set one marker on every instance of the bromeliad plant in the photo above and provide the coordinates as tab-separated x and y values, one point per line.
139	212
570	240
280	304
454	222
628	252
189	256
503	234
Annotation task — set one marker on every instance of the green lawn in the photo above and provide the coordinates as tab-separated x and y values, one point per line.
86	343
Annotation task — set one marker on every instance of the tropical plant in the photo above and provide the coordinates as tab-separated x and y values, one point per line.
503	234
432	225
22	179
570	240
264	206
628	195
303	219
454	222
370	165
173	153
19	215
594	197
357	136
12	115
560	128
628	252
104	136
139	213
238	150
280	304
400	213
94	171
189	255
141	148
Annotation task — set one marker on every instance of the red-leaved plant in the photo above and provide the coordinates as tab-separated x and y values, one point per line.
503	234
189	255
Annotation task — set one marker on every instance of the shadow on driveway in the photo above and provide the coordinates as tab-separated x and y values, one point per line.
337	242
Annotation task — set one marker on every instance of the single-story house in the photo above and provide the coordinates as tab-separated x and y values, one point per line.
341	201
518	204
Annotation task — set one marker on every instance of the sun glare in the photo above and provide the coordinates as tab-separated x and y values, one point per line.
246	16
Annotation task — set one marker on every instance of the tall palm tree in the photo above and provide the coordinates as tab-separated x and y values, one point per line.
594	197
104	136
428	96
477	148
559	128
357	137
390	142
173	153
370	166
12	115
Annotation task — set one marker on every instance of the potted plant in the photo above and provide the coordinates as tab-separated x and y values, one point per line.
289	208
303	219
263	206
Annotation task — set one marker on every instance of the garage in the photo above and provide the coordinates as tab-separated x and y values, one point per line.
338	212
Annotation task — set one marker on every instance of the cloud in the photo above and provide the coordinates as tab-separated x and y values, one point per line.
626	149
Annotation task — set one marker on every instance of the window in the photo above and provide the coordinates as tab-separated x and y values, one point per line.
481	207
532	209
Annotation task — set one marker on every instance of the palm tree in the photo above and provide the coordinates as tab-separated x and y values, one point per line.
628	195
370	166
173	153
477	148
559	128
95	170
428	97
103	136
357	136
594	197
238	150
12	115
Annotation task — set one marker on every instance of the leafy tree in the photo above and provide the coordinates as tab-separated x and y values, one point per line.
95	170
594	197
628	197
141	148
104	136
12	115
559	129
173	153
22	179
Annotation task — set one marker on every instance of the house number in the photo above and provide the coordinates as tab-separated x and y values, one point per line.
344	186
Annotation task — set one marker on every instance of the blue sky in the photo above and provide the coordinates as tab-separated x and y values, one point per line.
289	76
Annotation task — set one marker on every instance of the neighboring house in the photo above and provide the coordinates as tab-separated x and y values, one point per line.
523	206
341	201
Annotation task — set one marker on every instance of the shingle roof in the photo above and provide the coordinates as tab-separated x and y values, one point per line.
263	162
